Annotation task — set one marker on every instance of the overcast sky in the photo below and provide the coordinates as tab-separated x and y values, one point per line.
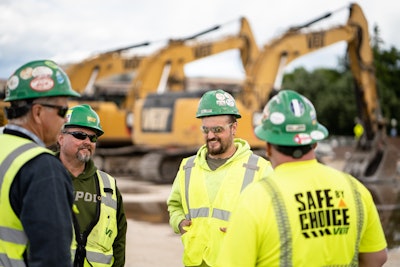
70	30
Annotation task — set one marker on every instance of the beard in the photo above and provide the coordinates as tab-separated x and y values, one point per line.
84	154
216	146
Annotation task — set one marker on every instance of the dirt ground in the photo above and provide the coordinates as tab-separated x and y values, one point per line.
155	245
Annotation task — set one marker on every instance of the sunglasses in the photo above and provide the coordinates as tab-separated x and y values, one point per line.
216	129
61	110
82	136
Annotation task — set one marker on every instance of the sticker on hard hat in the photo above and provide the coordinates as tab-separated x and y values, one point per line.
68	115
277	118
42	83
224	100
42	71
317	135
295	128
60	78
302	139
91	119
13	82
26	73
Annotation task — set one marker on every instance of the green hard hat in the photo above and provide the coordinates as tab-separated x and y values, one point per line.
215	103
83	116
290	119
41	78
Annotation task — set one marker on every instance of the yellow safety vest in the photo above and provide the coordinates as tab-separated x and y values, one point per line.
15	152
99	250
204	238
285	233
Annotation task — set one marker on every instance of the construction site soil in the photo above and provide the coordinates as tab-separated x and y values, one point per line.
150	239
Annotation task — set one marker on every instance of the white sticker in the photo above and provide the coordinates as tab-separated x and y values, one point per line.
277	118
219	96
13	82
317	135
42	71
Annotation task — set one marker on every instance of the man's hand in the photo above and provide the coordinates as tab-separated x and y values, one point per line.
182	224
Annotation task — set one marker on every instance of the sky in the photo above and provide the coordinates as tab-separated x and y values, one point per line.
68	31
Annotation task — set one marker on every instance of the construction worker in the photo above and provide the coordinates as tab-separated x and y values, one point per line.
35	189
208	184
304	213
99	219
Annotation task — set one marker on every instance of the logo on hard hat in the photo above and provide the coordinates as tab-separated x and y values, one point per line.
91	119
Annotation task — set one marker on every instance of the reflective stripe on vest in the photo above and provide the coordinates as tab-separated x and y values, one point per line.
95	257
107	200
285	233
360	219
251	168
283	223
7	262
16	239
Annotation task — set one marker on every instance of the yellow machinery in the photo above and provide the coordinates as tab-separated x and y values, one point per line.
144	74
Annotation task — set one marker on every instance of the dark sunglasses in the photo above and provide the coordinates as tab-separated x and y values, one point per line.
82	136
61	111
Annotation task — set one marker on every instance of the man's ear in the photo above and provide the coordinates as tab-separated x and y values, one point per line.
36	111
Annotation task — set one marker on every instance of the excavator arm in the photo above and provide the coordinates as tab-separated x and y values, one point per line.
84	74
266	72
170	61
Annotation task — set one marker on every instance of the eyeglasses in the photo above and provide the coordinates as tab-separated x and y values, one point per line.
216	129
82	136
61	109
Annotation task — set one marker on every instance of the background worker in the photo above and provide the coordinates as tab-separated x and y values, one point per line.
99	219
35	189
208	184
304	213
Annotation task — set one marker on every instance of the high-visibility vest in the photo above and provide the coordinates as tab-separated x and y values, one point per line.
204	238
98	250
15	152
285	233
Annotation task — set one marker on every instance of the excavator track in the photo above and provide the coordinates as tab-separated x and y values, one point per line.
161	167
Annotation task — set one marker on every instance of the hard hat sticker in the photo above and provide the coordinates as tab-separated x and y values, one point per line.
221	102
59	77
13	82
219	96
317	135
68	115
224	99
302	139
91	119
26	73
42	83
277	118
42	71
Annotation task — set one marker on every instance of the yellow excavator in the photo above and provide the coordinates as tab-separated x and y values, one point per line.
162	70
96	78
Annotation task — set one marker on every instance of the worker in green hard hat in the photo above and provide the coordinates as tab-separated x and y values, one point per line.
36	191
304	213
99	223
208	184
